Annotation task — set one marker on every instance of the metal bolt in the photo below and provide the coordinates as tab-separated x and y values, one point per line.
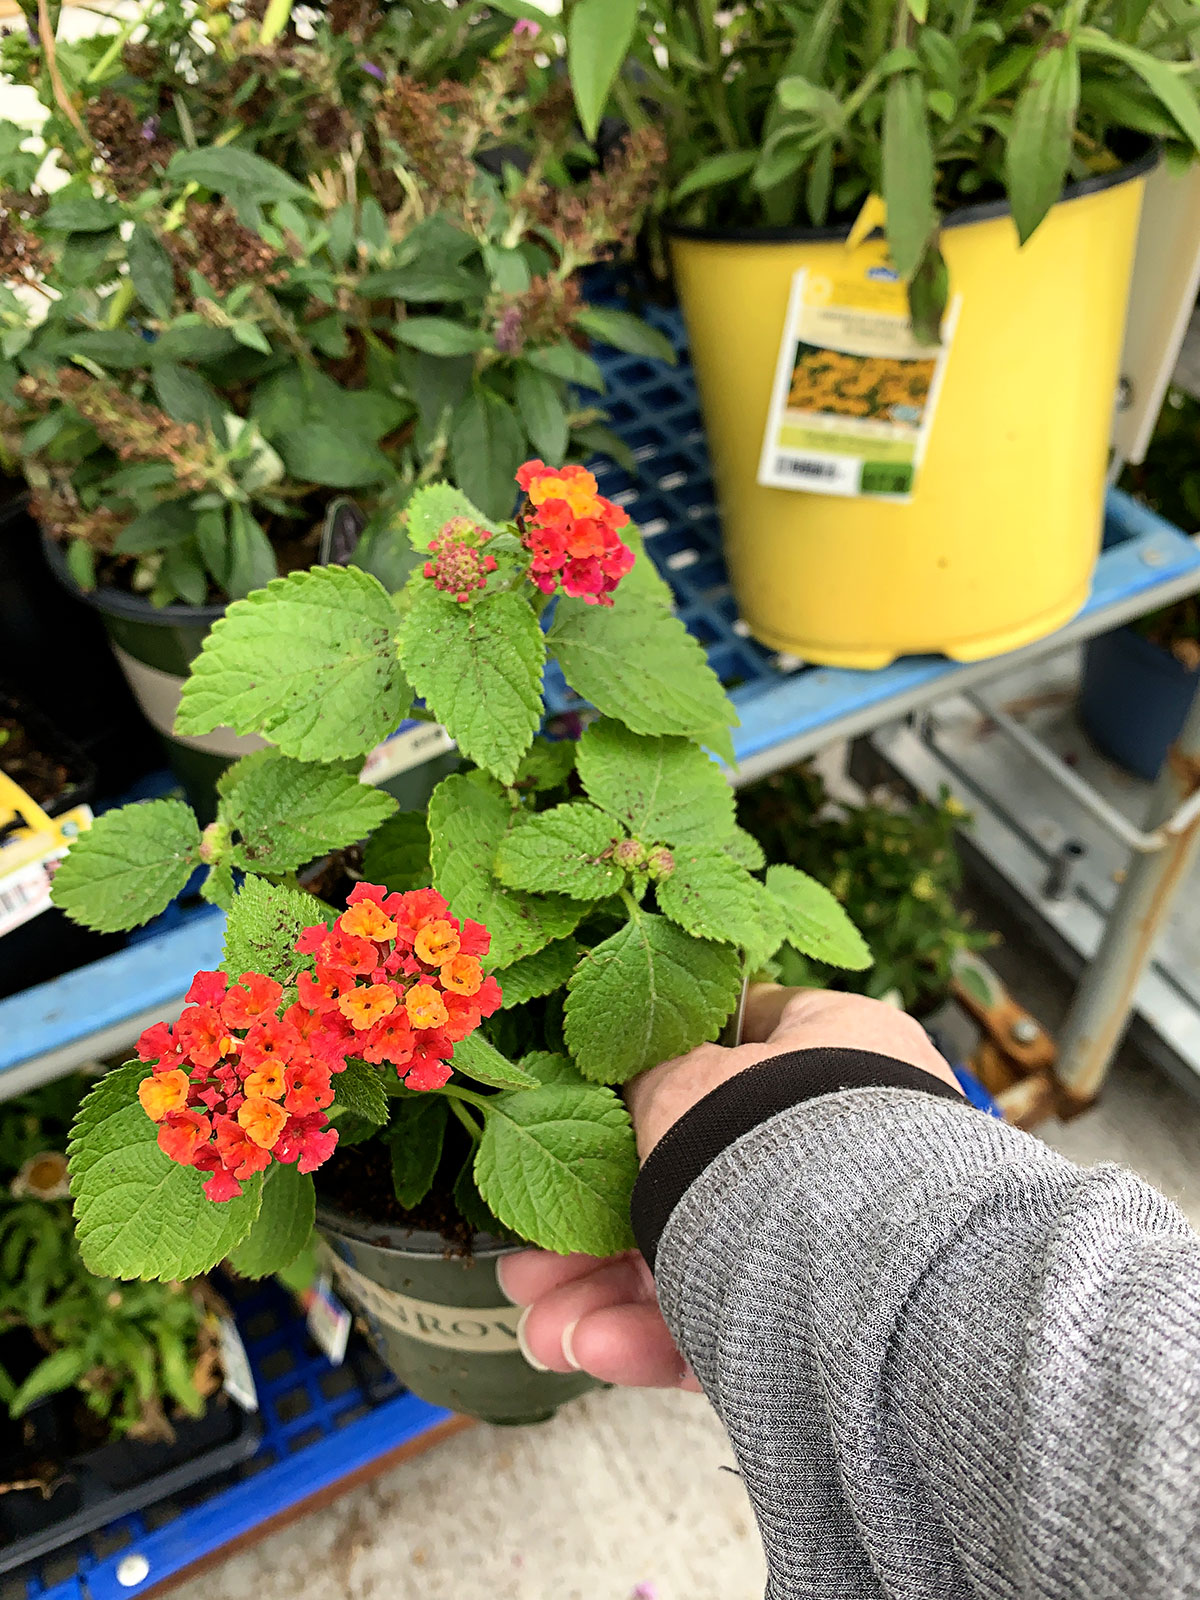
1154	557
1025	1031
132	1570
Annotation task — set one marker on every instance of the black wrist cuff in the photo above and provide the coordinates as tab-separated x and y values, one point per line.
739	1105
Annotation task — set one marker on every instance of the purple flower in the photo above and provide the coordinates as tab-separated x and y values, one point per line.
376	72
508	332
526	28
150	129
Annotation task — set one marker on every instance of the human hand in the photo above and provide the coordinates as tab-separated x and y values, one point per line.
602	1317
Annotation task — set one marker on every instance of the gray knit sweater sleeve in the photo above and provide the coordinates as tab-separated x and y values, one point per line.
950	1362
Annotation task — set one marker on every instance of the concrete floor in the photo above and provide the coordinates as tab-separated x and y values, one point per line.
623	1496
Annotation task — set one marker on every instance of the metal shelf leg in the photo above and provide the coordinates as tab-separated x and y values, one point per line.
1101	1008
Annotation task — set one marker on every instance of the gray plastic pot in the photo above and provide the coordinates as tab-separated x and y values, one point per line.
440	1321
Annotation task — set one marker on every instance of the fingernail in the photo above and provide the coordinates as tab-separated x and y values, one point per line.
500	1283
538	1366
568	1339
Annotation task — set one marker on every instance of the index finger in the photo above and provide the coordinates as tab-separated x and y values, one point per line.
528	1275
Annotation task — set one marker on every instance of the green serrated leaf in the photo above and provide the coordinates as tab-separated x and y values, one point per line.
467	823
547	764
634	662
479	670
548	1067
128	866
432	507
397	854
557	1165
815	922
333	690
483	1062
359	1090
539	974
714	898
566	850
415	1138
745	849
218	887
283	1226
289	812
645	995
137	1213
262	927
665	790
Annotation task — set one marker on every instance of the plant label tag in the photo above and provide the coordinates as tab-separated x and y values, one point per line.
854	395
239	1380
327	1319
31	846
412	743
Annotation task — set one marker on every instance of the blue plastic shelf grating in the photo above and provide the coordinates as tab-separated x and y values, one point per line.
320	1423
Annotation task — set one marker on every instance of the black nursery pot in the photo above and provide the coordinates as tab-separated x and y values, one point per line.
154	647
98	1485
49	943
439	1320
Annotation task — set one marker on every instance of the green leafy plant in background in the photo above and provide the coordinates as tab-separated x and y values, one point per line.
894	868
623	902
134	1354
1168	481
289	265
793	112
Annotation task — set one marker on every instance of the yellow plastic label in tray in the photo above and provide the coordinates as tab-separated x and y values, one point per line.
31	846
855	393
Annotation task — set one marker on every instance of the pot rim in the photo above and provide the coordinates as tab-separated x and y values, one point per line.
123	603
1151	652
960	217
421	1243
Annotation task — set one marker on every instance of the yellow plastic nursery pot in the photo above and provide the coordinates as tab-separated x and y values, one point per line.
996	543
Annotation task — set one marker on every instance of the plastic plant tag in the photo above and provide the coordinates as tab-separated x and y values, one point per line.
413	742
854	395
327	1319
239	1380
31	846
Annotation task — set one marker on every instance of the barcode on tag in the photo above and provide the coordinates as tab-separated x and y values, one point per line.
805	469
829	474
23	894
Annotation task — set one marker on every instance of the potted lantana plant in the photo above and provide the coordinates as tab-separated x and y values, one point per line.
836	164
439	1042
261	280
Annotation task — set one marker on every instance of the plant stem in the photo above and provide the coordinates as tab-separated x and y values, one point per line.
455	1091
631	905
467	1120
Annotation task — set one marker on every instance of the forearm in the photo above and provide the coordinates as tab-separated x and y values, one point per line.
949	1361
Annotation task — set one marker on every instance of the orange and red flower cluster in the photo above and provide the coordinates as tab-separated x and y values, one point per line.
571	532
458	565
242	1080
